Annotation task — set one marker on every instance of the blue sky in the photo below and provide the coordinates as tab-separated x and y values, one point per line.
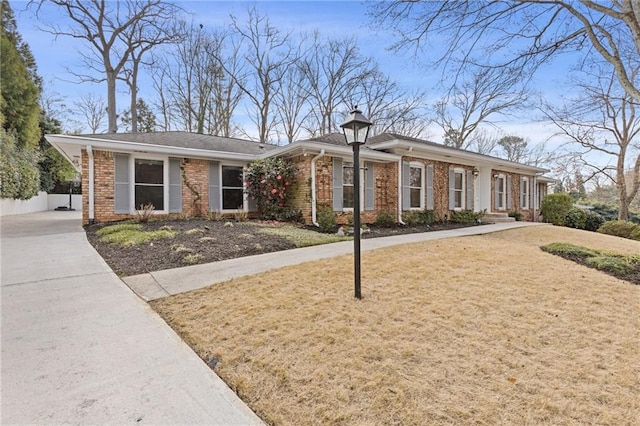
331	18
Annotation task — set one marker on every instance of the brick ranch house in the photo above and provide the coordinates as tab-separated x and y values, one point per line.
191	174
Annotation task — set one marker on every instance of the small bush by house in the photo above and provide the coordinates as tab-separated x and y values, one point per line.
555	207
576	218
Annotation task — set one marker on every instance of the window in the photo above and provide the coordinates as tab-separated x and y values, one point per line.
347	185
149	183
458	189
416	186
232	189
500	192
524	193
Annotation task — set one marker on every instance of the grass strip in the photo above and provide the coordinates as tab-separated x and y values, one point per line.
619	265
302	237
126	235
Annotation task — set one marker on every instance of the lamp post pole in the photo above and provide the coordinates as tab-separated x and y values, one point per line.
356	129
356	218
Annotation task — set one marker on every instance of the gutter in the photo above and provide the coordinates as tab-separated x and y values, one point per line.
313	188
91	185
400	192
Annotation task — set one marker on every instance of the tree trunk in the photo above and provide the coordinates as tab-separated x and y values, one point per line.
112	115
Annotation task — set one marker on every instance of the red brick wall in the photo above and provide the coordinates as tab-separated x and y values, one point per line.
195	187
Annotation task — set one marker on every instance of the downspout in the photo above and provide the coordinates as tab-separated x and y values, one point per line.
313	187
400	192
91	184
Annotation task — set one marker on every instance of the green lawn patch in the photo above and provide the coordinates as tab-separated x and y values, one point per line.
302	237
130	234
626	267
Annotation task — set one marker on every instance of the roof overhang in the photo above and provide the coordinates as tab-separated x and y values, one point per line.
451	155
310	147
71	148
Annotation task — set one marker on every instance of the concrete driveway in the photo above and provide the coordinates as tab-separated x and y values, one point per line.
79	347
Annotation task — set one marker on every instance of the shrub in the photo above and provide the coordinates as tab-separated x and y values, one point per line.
326	220
465	216
576	218
240	215
429	216
555	207
144	214
269	184
385	219
613	264
411	218
635	234
618	228
516	215
19	173
414	217
569	250
594	221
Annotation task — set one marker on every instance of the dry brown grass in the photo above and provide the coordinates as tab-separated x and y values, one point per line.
477	330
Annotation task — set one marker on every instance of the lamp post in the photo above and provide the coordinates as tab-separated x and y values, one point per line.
356	129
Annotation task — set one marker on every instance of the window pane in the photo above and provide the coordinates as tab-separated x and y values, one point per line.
149	195
347	197
232	199
149	171
232	177
458	181
415	197
347	174
415	177
458	199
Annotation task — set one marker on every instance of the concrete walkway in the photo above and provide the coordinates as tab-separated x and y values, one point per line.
79	347
165	283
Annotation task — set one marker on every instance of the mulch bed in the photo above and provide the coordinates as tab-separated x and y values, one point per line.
214	241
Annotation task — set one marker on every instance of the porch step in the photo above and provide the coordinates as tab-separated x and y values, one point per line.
497	218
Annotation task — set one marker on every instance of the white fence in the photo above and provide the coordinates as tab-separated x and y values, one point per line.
40	203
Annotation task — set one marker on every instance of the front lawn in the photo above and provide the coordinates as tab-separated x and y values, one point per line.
476	330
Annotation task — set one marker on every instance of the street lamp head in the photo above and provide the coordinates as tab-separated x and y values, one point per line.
356	127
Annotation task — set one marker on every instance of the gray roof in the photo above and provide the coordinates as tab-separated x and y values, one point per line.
331	138
188	140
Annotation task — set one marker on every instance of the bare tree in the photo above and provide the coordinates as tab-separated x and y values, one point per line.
144	35
522	34
483	142
334	68
93	109
112	30
267	55
606	124
292	103
486	94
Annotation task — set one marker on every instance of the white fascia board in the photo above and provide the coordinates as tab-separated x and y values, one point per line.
451	155
118	146
331	150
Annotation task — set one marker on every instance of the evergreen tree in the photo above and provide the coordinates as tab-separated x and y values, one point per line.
19	112
19	85
146	118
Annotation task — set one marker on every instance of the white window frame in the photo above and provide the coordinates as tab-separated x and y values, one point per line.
463	190
417	165
362	184
165	180
525	193
503	197
245	203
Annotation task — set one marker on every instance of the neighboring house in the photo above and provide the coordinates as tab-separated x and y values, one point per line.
192	174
